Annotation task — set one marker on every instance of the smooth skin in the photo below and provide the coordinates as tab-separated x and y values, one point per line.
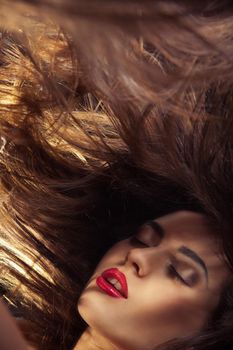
175	275
10	336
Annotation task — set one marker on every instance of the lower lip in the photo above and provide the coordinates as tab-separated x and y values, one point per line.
108	288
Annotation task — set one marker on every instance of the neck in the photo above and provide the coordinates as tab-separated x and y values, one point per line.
92	340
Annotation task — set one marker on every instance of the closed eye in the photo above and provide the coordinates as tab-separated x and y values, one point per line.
147	235
172	272
135	241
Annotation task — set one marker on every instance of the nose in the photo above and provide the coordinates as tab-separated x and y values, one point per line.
143	260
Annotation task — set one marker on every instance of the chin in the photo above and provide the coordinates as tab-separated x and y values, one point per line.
96	314
90	308
83	307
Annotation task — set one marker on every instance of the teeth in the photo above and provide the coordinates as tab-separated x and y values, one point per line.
117	285
114	282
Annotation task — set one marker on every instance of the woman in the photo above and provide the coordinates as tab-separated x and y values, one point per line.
100	140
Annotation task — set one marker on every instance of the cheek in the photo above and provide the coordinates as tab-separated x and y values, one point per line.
182	316
163	316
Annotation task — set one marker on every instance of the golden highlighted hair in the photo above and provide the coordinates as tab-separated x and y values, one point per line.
111	113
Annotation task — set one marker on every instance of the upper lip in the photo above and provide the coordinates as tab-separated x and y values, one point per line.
114	273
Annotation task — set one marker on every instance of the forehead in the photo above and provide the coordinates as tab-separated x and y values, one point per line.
187	225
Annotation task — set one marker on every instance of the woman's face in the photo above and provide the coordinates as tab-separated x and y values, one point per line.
174	278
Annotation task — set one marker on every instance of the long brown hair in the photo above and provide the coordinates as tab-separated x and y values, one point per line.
112	113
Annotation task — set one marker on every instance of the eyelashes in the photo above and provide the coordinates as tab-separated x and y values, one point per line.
172	272
135	241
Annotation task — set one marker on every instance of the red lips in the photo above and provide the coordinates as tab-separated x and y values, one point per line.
113	282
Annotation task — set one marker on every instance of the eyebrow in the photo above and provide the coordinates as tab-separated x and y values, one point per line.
196	258
183	249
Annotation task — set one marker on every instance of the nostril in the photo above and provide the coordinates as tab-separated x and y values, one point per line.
136	268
